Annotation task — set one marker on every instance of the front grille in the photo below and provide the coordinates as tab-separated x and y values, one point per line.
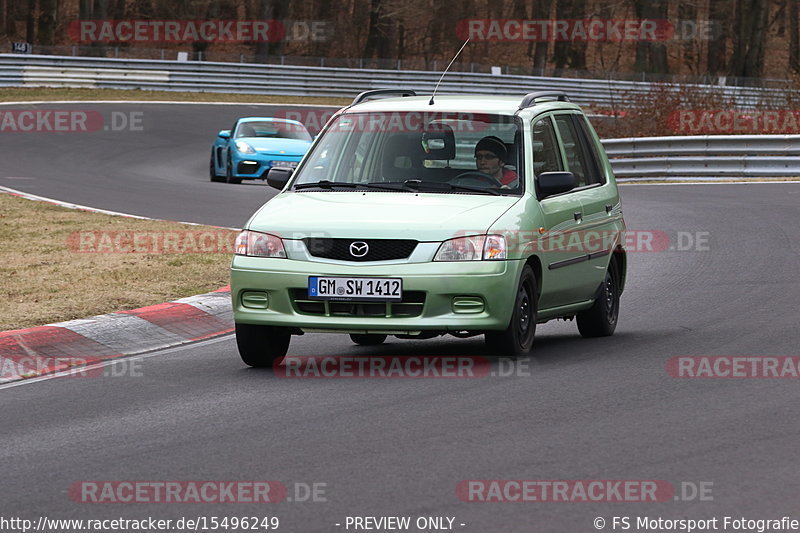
247	168
410	306
379	249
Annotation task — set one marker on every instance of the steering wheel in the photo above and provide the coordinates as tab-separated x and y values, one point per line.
484	180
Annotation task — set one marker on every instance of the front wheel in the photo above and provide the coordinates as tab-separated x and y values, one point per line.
229	177
517	338
212	168
601	319
261	346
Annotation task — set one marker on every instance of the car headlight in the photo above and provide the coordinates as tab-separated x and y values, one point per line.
474	248
257	244
244	147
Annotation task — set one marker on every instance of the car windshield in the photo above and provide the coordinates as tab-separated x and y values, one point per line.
454	153
273	130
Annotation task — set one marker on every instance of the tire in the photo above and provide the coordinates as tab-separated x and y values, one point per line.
601	319
212	171
517	338
261	346
229	177
367	339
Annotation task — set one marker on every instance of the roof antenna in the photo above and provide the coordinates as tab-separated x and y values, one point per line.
445	70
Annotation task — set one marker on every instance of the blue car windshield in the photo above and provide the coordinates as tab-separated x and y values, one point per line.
272	130
439	152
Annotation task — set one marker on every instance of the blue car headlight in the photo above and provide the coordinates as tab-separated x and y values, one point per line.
244	147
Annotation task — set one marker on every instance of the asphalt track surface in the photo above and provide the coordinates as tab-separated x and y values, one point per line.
601	409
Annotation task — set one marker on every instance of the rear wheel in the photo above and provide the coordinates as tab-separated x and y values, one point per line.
601	319
367	339
261	346
517	338
229	177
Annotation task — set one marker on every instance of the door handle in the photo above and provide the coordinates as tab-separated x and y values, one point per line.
609	207
578	215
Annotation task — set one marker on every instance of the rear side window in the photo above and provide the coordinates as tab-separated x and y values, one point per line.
580	160
585	129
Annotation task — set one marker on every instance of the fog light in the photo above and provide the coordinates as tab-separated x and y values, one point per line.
468	304
255	300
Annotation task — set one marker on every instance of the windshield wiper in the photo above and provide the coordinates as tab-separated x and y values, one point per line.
475	189
325	184
418	184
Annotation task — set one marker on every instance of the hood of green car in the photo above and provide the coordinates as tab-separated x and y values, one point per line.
379	215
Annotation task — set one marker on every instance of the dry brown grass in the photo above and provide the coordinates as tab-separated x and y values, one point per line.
31	94
45	279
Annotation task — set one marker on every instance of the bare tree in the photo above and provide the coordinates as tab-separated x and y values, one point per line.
570	54
651	56
749	36
794	37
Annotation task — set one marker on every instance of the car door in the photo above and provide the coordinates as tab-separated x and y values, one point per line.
562	219
597	236
602	210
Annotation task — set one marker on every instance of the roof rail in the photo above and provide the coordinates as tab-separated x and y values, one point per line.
366	94
530	98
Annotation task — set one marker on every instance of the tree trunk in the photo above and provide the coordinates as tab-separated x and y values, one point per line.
651	56
570	54
719	16
47	22
794	37
30	22
747	59
541	11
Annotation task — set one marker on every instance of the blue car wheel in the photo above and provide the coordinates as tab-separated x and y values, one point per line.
229	173
212	168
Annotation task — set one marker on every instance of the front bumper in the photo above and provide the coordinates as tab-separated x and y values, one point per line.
455	296
256	166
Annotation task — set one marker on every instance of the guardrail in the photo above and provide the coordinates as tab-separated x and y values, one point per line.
705	157
64	71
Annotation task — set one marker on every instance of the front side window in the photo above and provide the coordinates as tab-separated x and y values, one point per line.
462	153
546	156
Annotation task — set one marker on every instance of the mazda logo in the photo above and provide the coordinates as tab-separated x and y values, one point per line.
359	249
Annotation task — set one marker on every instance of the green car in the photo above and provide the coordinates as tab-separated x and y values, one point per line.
417	217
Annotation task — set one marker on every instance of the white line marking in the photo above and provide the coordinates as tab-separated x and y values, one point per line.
102	364
166	102
69	205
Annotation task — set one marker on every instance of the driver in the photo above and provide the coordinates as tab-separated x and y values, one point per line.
490	157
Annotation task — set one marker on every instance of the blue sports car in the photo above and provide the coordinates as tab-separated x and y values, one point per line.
256	144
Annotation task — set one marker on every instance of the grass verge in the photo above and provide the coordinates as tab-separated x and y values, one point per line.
60	264
15	94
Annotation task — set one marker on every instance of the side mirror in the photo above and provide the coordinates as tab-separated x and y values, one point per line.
224	134
551	183
278	177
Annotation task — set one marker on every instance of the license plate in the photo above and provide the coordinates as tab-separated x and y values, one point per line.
355	289
289	164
